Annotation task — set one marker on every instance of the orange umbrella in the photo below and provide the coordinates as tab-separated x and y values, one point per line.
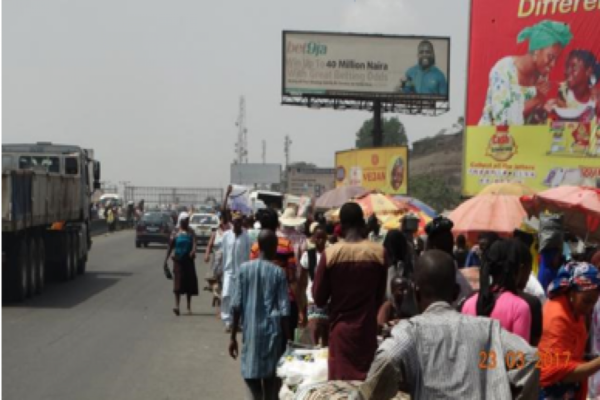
393	221
512	189
380	204
580	206
495	213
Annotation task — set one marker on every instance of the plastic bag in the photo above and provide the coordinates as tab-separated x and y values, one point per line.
551	234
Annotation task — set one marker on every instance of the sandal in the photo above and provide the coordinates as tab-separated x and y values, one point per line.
176	311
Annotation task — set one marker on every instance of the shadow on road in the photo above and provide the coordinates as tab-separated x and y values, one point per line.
70	294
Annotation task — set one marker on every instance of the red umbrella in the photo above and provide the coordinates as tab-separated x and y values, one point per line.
580	206
488	212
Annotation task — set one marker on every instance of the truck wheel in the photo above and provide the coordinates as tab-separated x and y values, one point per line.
75	252
66	260
40	276
22	263
33	256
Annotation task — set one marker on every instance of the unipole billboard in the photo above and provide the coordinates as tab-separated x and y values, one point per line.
365	66
383	168
533	94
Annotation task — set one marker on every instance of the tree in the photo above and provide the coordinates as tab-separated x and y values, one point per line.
394	133
434	190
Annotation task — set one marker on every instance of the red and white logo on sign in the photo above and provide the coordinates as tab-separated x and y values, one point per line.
375	159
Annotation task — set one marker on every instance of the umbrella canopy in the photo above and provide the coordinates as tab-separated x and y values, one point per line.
495	213
511	189
393	221
380	204
418	205
580	205
338	196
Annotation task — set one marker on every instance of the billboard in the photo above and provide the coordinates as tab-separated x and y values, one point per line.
383	168
533	94
255	174
365	66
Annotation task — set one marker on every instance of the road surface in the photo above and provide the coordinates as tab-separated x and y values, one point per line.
111	334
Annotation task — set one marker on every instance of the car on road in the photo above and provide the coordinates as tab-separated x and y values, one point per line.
203	226
154	227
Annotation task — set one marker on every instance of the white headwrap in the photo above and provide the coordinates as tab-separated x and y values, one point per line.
182	216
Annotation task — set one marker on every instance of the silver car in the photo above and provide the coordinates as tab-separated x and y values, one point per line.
203	226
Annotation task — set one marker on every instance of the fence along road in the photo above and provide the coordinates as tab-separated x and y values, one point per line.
156	196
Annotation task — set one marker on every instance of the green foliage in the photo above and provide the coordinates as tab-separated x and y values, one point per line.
434	191
394	133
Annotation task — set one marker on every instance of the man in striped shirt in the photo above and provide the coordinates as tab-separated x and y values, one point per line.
262	304
443	354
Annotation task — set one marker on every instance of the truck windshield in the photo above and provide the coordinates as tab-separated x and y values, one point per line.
51	164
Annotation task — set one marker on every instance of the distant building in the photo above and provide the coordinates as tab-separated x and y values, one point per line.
310	181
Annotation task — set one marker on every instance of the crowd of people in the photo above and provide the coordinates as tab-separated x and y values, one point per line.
396	317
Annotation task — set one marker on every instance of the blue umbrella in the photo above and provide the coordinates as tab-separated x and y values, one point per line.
427	209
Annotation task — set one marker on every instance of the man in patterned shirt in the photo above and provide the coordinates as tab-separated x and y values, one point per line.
261	303
443	354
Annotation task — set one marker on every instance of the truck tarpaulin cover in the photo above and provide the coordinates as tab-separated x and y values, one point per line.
533	94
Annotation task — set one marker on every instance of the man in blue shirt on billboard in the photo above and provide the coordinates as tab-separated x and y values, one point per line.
425	77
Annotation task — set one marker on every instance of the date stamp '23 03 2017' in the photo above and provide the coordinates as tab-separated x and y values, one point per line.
516	359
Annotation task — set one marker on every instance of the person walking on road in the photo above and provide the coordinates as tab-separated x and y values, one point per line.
261	303
236	251
351	279
183	243
215	247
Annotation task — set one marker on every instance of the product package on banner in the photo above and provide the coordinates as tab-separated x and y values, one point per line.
533	94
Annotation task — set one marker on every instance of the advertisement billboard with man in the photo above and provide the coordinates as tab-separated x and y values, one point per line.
533	95
365	66
383	168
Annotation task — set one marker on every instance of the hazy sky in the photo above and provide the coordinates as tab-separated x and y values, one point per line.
154	85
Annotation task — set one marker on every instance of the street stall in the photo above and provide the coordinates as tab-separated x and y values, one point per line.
580	207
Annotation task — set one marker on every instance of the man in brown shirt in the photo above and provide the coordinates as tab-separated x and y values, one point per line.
351	278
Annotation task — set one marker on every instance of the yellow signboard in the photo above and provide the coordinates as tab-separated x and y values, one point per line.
383	168
541	157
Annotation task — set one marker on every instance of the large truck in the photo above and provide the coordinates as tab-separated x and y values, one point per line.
46	204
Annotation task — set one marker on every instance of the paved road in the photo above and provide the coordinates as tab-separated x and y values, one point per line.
111	334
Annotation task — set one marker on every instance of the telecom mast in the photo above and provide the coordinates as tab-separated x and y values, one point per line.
241	146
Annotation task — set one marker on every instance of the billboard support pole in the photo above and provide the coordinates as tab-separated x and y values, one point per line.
377	131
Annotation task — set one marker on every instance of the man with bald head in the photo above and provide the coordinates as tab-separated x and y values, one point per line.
425	77
444	354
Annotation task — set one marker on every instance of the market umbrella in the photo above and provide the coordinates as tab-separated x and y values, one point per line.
393	221
495	213
337	197
418	205
380	204
580	206
511	189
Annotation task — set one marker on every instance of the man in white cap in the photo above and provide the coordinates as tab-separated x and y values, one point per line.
236	251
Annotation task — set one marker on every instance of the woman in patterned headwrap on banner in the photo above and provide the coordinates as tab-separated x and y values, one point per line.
519	85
